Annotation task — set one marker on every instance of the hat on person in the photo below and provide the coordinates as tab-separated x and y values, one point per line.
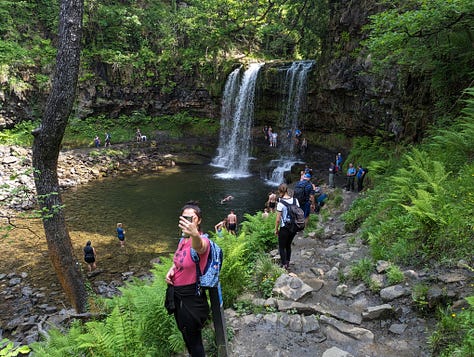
308	176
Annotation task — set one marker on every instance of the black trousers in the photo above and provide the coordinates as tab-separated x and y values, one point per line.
191	313
285	238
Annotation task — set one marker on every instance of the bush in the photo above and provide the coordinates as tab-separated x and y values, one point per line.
454	336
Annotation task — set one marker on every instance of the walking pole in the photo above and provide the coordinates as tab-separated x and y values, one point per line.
215	295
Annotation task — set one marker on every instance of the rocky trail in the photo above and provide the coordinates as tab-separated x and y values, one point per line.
317	315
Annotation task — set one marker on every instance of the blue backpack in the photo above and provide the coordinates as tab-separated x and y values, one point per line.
209	278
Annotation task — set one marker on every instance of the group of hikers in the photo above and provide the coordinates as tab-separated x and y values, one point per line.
352	174
139	137
106	140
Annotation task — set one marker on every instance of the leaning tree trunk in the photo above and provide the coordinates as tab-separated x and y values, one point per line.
46	146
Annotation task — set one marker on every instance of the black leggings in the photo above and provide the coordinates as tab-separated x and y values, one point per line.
191	313
285	238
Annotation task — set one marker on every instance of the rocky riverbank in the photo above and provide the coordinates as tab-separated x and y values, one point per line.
31	299
75	167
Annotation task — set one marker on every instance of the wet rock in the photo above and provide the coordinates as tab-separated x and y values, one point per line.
310	323
14	281
357	290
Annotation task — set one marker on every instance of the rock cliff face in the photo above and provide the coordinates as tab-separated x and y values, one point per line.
342	97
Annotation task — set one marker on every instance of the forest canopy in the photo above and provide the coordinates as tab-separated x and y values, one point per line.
150	41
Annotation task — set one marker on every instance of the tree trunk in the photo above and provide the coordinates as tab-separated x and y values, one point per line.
46	146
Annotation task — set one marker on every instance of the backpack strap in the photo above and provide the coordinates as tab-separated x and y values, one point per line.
195	258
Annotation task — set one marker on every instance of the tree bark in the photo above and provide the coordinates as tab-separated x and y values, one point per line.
46	146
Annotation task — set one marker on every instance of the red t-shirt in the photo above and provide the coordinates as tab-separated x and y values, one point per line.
185	267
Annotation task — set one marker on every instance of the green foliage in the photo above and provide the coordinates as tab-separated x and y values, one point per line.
19	135
8	349
394	275
419	296
361	270
158	43
454	334
137	325
81	132
432	38
265	273
421	208
262	233
235	274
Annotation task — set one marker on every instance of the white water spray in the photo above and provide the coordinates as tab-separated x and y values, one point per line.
233	152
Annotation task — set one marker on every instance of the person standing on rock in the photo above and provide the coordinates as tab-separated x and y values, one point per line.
360	177
350	176
90	256
338	162
121	234
285	237
96	141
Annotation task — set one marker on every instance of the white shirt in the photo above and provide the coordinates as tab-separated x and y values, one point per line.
284	210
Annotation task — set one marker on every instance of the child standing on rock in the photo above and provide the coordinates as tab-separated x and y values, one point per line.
121	234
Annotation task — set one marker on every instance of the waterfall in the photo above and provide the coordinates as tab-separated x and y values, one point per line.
295	86
278	174
237	112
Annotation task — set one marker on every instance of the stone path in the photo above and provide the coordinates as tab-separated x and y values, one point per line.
316	314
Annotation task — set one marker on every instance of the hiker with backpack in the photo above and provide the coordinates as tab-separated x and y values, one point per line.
304	193
184	296
286	227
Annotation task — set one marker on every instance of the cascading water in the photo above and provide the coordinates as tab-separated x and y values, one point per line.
296	80
233	152
295	86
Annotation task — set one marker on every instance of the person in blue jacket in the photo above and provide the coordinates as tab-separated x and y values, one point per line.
350	176
361	172
121	234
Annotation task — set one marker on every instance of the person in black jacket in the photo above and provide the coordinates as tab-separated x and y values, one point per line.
90	256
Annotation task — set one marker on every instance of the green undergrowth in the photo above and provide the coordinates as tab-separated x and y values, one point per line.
137	324
422	203
418	211
81	132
